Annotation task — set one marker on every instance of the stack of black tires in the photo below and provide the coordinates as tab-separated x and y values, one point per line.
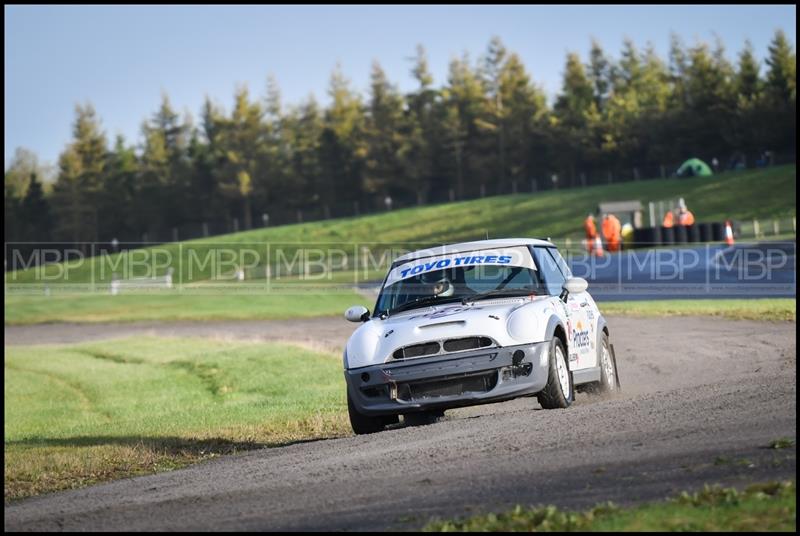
679	234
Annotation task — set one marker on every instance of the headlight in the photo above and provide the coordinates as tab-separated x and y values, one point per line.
523	325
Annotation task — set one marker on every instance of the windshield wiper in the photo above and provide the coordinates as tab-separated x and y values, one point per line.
497	292
425	300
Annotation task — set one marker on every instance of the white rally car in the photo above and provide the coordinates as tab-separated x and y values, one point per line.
473	323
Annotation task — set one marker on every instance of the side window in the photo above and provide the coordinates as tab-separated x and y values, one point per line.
548	267
562	264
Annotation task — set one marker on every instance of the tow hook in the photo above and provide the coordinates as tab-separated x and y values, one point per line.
517	368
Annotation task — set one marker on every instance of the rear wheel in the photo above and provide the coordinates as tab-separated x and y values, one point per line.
364	424
559	392
609	376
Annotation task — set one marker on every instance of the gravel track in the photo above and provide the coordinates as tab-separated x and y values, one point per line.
702	398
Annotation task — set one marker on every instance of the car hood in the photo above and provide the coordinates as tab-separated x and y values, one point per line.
375	341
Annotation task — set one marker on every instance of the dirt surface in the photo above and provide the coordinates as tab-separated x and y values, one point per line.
702	398
325	333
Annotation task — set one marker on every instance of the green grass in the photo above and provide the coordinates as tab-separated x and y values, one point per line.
79	414
765	193
777	309
174	306
762	507
781	443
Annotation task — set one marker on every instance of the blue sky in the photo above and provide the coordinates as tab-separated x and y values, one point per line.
122	58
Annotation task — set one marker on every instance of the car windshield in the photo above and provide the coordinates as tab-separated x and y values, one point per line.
459	277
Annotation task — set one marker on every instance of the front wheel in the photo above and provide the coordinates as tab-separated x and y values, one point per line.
363	424
559	391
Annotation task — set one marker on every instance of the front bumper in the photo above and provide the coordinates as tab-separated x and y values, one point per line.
448	381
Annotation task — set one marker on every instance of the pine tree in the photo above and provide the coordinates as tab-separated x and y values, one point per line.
242	143
116	217
343	149
780	96
525	110
385	130
80	179
748	83
468	135
573	109
420	140
577	94
782	69
600	73
678	65
493	72
304	131
35	213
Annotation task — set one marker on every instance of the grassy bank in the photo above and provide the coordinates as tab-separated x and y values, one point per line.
761	507
169	306
778	309
79	414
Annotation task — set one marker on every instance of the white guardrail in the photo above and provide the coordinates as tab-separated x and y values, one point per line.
767	228
138	283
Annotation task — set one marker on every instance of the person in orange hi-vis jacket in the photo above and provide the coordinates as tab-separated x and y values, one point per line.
611	231
591	233
669	219
685	217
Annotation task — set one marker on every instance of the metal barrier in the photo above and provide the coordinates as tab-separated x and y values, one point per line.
140	283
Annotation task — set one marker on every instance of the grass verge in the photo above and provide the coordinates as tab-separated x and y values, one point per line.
175	306
171	306
76	415
778	309
761	507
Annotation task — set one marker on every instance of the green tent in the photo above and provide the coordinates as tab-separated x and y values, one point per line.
694	167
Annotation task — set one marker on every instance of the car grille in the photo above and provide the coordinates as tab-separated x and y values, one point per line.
417	350
439	347
476	383
467	343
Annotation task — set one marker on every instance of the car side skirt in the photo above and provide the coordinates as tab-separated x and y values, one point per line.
587	375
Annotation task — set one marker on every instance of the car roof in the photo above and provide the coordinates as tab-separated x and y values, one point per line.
473	246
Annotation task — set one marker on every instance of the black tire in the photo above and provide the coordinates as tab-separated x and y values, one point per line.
642	237
363	424
390	419
681	234
693	232
609	375
667	236
656	237
706	232
553	395
717	231
422	418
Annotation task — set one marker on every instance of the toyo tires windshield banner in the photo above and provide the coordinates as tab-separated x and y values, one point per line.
516	256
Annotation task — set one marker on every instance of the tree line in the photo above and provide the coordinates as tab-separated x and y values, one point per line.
488	128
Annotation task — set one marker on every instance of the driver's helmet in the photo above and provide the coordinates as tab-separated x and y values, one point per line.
439	283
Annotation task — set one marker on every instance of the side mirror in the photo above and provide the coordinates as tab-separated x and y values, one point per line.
357	313
573	285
